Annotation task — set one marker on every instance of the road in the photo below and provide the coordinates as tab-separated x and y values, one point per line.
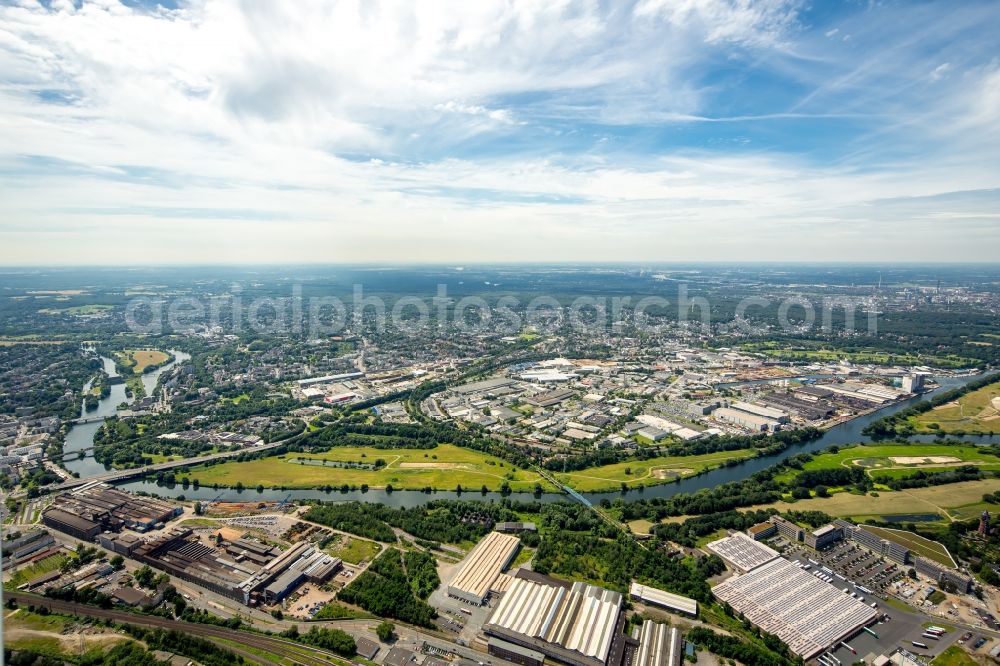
118	475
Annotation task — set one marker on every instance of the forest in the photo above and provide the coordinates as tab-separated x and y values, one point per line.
387	587
439	521
617	562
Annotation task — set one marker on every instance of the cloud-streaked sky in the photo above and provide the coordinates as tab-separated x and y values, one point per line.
660	130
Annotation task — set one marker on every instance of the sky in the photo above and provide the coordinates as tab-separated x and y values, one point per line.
241	132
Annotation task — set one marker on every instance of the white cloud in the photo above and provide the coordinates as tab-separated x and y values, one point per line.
354	131
940	71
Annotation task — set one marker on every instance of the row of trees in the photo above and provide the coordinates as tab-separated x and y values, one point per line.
442	521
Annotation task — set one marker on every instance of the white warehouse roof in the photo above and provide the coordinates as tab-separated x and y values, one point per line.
482	566
803	611
742	552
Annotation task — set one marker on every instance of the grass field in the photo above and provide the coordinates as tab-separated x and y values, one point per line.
42	567
442	468
79	310
896	460
955	500
352	550
954	656
140	359
873	356
975	412
647	472
932	550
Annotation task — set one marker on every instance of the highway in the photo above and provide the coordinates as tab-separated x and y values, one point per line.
122	474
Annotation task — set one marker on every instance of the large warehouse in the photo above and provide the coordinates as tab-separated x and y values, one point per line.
664	599
576	624
659	645
482	566
803	611
741	552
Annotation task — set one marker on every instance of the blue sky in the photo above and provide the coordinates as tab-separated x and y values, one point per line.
656	130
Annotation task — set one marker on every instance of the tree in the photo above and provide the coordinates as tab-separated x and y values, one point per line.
385	630
117	561
912	573
144	576
197	507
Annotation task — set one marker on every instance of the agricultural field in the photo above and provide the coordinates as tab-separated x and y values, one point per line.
442	468
975	412
636	473
932	550
899	460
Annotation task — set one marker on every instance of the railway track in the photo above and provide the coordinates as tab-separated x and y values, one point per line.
297	653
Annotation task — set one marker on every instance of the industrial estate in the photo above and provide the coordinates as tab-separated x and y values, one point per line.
492	498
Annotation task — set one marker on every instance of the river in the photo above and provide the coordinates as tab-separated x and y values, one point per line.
81	437
844	433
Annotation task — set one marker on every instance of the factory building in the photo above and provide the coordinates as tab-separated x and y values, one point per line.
659	645
760	410
482	566
873	542
123	544
576	624
741	552
941	574
663	599
746	419
99	507
902	555
803	611
823	537
787	528
549	398
26	545
913	383
515	653
762	531
71	524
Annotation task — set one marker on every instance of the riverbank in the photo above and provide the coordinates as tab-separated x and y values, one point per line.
845	433
444	467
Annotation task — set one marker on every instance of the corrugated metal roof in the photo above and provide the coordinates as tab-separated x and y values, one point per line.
482	566
582	618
